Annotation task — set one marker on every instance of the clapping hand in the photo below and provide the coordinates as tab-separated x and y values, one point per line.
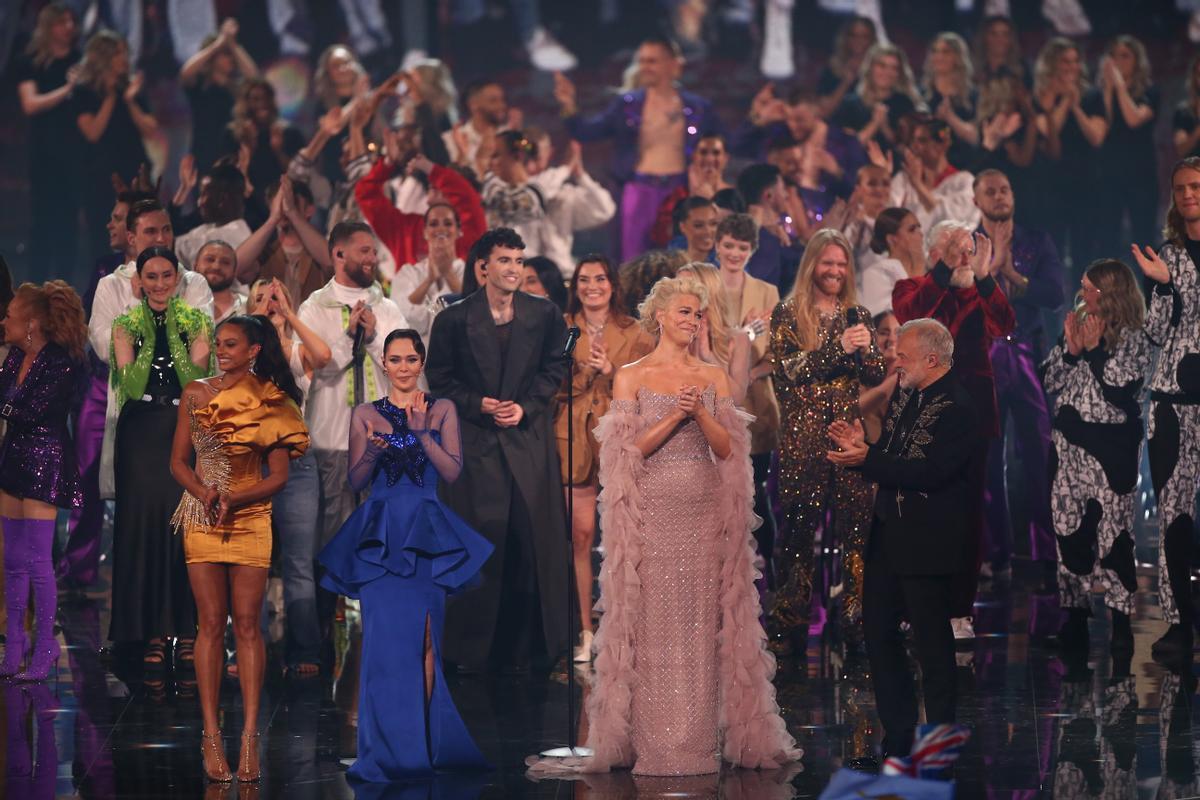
564	93
981	258
688	401
1090	331
418	412
1152	264
849	442
1071	337
598	357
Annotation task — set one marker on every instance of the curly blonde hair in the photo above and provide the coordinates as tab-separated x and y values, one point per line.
1047	63
720	329
661	295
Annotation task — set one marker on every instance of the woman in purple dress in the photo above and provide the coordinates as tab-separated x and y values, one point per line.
46	332
680	610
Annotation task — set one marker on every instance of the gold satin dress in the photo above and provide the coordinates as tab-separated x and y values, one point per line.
231	435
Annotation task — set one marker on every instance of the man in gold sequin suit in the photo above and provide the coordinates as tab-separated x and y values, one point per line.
817	378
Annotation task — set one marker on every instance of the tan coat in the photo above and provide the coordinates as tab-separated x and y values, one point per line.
593	393
310	275
760	296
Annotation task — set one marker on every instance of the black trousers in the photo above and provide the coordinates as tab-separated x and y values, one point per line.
925	602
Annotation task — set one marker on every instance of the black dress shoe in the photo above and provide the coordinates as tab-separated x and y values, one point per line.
1122	633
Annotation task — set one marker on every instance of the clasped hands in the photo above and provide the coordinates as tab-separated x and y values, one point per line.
687	402
217	505
506	413
850	442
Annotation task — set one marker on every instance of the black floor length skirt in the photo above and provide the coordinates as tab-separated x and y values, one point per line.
151	596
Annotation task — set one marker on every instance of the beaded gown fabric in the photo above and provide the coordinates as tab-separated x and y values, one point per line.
683	675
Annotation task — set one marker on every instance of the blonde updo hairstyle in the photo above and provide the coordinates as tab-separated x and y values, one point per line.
661	295
720	331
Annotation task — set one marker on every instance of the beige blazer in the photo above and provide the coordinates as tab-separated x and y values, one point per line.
760	296
593	393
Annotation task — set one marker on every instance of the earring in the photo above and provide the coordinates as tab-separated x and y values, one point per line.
253	362
29	337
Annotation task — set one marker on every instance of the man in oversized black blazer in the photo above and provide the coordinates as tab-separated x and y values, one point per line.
498	355
920	533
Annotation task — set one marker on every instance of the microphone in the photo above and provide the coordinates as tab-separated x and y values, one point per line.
572	340
852	320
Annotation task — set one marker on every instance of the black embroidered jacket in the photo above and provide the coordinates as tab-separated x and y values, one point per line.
921	462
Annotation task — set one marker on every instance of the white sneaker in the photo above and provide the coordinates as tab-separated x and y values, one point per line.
413	59
777	62
546	54
964	630
583	653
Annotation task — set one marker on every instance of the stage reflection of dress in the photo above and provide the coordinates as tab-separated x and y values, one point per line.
402	552
683	676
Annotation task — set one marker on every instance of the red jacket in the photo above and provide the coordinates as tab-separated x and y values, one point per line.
403	234
975	316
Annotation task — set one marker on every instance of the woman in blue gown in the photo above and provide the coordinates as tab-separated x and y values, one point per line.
401	553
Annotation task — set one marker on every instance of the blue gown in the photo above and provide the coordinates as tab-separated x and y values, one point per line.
401	553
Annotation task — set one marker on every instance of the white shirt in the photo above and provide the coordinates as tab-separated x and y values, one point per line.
114	296
879	277
573	206
954	198
420	315
327	410
187	246
238	306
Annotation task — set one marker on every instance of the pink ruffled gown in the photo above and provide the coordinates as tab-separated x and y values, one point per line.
683	675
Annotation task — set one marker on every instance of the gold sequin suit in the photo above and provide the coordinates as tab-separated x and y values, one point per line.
814	388
231	434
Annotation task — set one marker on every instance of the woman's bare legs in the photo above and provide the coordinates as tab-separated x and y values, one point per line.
210	588
583	534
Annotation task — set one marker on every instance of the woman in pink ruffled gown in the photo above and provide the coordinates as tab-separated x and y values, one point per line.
683	675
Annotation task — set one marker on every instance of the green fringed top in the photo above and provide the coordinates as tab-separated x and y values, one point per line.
184	325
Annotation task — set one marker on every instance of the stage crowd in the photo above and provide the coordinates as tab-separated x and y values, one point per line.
424	358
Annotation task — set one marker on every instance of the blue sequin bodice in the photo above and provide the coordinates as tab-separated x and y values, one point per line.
404	457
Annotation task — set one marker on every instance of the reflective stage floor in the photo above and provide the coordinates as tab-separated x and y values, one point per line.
1043	725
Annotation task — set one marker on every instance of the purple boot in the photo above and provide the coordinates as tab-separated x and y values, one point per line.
39	534
16	594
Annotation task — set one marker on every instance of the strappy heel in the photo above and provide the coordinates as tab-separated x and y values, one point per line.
248	753
212	746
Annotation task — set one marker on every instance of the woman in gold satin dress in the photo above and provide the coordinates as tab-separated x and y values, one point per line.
232	424
820	363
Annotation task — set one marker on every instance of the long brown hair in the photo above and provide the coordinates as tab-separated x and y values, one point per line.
57	307
807	322
616	303
1175	231
38	48
1122	306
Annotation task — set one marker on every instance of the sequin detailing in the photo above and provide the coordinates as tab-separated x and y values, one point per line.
405	456
212	468
814	388
675	708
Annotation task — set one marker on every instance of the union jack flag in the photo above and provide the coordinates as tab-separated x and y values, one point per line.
936	748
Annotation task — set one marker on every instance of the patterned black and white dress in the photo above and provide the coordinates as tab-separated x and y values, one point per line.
1097	436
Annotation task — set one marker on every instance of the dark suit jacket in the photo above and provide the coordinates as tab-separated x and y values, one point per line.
464	365
923	504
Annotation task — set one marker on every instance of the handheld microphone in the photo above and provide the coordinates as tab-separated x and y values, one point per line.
359	333
852	319
572	340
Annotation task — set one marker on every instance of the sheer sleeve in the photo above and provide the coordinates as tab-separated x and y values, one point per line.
446	454
364	453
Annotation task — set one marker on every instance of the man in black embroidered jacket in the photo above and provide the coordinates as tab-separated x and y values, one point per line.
920	533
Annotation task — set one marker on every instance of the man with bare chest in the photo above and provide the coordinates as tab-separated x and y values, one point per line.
654	127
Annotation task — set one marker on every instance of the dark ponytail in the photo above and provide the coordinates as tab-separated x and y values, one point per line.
271	364
887	224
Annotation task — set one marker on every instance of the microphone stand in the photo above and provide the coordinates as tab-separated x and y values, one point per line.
571	750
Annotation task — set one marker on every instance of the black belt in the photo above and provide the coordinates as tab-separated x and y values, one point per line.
164	400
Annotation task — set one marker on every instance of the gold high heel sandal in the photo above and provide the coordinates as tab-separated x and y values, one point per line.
249	750
210	744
